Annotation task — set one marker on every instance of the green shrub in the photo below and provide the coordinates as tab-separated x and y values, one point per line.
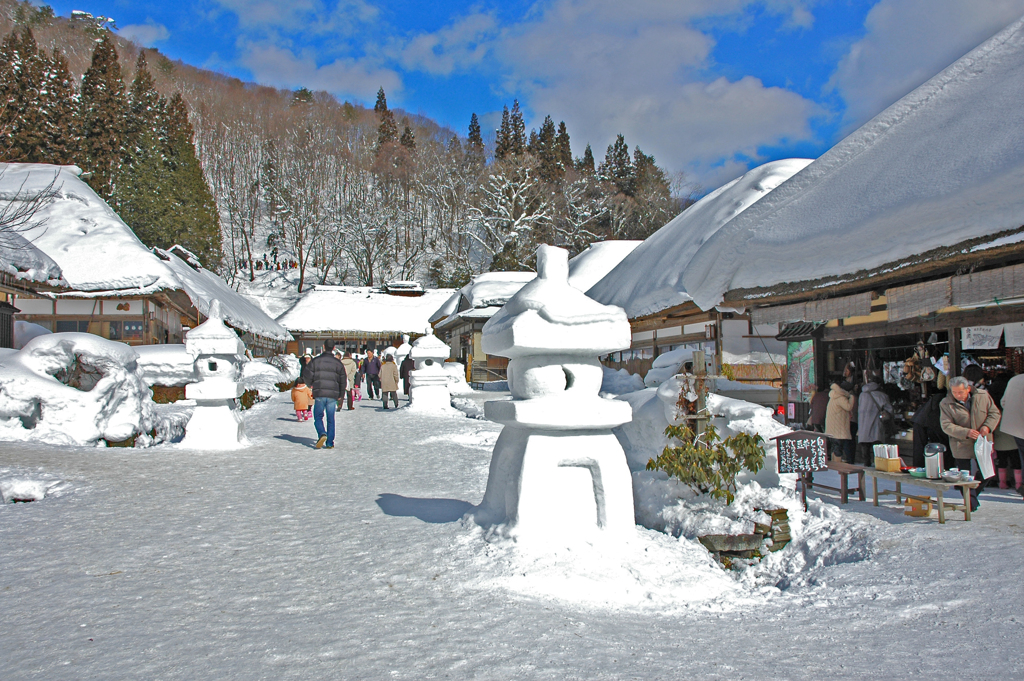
710	466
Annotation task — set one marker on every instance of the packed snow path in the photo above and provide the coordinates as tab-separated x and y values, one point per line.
281	561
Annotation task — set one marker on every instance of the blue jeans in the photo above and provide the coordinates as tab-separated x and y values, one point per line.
320	406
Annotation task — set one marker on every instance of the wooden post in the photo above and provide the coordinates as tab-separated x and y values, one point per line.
954	353
700	371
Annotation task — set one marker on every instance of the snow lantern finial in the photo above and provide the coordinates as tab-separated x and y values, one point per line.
552	263
215	312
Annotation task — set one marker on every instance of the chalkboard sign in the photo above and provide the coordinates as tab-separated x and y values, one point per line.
802	451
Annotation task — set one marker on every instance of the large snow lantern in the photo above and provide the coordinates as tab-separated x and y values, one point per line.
556	465
217	421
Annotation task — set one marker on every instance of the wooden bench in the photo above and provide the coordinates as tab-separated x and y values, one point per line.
940	486
845	470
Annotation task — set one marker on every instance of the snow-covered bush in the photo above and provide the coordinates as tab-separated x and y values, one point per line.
666	366
77	388
166	365
26	331
267	375
620	382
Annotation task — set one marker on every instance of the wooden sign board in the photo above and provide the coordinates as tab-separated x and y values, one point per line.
802	451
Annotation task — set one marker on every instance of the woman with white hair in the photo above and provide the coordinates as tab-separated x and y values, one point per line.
966	414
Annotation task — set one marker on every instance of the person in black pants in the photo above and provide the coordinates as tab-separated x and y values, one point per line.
927	429
370	368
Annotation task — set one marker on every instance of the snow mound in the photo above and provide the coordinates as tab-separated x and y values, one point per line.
22	487
667	365
457	384
167	365
26	331
619	382
264	375
111	400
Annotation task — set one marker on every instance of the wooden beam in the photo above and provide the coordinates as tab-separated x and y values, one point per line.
986	316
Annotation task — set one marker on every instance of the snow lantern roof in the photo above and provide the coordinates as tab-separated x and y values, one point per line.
942	166
213	337
203	287
430	346
95	250
600	258
494	288
401	287
361	309
549	316
650	278
20	258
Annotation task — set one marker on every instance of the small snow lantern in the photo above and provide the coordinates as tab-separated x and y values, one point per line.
429	380
216	422
556	466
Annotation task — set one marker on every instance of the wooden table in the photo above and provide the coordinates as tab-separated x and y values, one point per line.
845	470
939	486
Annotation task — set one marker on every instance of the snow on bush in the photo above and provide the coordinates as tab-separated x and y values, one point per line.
457	384
666	366
264	374
78	389
16	486
620	382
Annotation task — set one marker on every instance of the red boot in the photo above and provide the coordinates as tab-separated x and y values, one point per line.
1003	484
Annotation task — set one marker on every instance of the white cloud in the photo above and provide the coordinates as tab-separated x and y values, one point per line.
608	67
909	41
145	34
461	45
280	67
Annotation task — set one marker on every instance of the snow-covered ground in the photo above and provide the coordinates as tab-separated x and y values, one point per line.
288	562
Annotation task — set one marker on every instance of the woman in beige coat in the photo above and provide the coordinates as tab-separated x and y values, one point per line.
389	381
837	420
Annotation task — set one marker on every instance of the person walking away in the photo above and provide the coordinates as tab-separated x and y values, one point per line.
408	364
302	398
928	429
326	376
351	369
1013	422
371	372
967	413
819	405
871	429
389	381
837	420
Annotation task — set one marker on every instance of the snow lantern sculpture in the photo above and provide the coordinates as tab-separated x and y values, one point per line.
429	380
402	351
556	465
217	421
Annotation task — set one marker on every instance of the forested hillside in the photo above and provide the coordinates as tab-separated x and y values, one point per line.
251	177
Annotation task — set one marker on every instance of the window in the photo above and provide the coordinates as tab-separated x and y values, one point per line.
132	331
115	331
72	327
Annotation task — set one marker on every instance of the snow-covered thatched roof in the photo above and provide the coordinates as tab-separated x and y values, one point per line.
940	167
481	297
600	258
95	250
203	287
22	260
361	309
650	278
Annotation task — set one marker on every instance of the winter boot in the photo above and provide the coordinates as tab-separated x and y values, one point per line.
1017	482
1001	472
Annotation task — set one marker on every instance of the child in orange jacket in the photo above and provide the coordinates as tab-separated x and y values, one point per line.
302	398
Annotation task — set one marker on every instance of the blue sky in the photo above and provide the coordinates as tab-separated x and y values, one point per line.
709	87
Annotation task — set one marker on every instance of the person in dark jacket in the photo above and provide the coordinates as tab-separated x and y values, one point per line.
370	369
408	364
819	405
326	376
870	429
928	429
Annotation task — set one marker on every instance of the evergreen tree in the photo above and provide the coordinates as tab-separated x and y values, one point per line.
563	150
547	152
103	114
387	131
585	165
503	138
145	108
408	139
24	94
617	166
517	130
62	113
475	141
302	96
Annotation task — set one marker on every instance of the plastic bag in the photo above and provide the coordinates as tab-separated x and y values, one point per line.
983	453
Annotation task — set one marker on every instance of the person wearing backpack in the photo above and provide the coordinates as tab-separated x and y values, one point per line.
874	413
